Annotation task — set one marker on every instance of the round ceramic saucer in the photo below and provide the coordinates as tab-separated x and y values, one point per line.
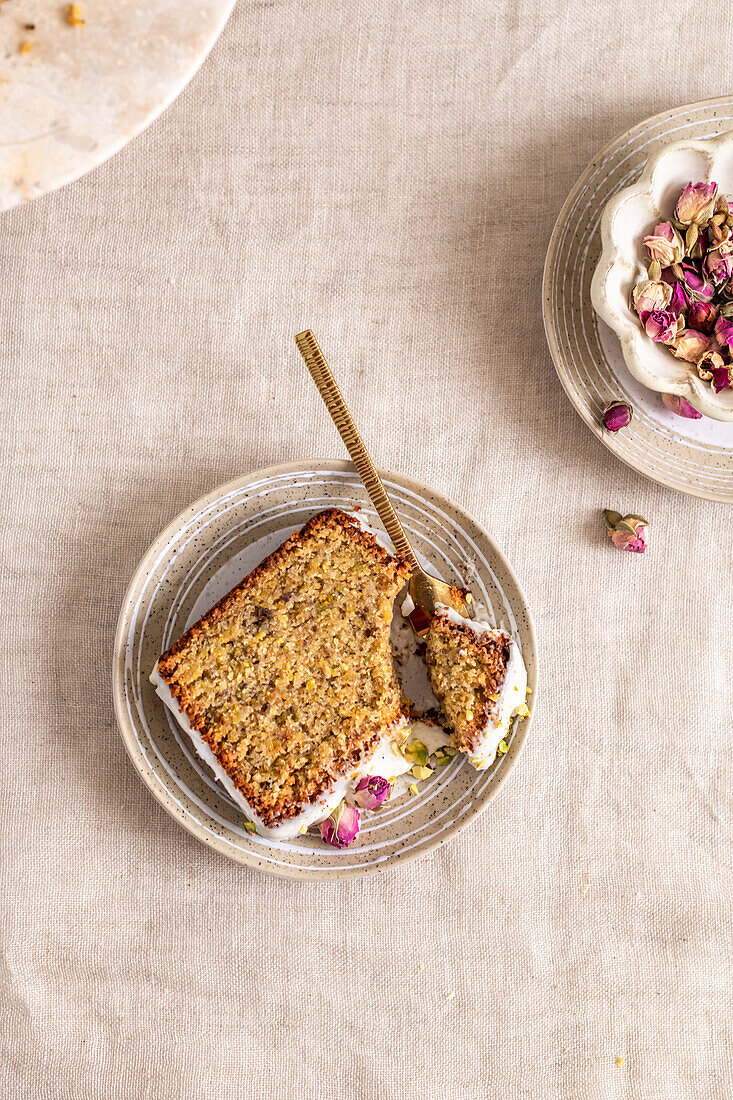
79	81
208	549
692	456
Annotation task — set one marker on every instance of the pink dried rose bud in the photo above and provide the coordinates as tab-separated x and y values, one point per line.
690	345
696	203
660	325
701	316
679	299
719	265
371	791
724	331
616	416
665	245
698	288
626	532
680	407
342	827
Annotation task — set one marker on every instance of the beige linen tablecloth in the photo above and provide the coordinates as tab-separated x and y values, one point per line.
387	174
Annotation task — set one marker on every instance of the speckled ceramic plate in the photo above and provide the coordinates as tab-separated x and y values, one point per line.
72	95
692	456
206	550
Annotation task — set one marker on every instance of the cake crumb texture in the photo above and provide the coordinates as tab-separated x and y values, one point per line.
289	678
466	669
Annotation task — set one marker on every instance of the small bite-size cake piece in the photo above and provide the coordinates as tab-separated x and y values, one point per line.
287	686
479	679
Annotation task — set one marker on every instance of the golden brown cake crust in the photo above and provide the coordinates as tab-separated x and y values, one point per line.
249	675
331	517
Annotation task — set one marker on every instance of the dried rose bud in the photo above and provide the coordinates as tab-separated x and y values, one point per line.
371	791
649	295
690	345
626	532
712	369
679	299
616	416
342	827
724	331
719	265
680	407
701	316
665	245
696	203
660	325
698	288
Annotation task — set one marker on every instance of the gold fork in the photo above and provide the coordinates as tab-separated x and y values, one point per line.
425	590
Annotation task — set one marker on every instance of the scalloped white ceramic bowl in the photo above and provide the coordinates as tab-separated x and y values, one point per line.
627	218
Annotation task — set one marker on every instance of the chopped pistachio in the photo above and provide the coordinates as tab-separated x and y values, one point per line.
420	772
250	826
523	711
412	788
415	752
502	747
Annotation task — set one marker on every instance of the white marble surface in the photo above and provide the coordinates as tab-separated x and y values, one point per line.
82	92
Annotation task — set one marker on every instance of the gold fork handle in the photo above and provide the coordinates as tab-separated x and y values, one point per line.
321	374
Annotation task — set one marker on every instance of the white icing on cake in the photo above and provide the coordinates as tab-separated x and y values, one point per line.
383	758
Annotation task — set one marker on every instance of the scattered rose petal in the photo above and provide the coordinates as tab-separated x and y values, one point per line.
371	791
342	827
626	532
616	416
680	407
721	379
679	299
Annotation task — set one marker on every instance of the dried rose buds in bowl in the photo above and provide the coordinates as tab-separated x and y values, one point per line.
626	532
686	300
